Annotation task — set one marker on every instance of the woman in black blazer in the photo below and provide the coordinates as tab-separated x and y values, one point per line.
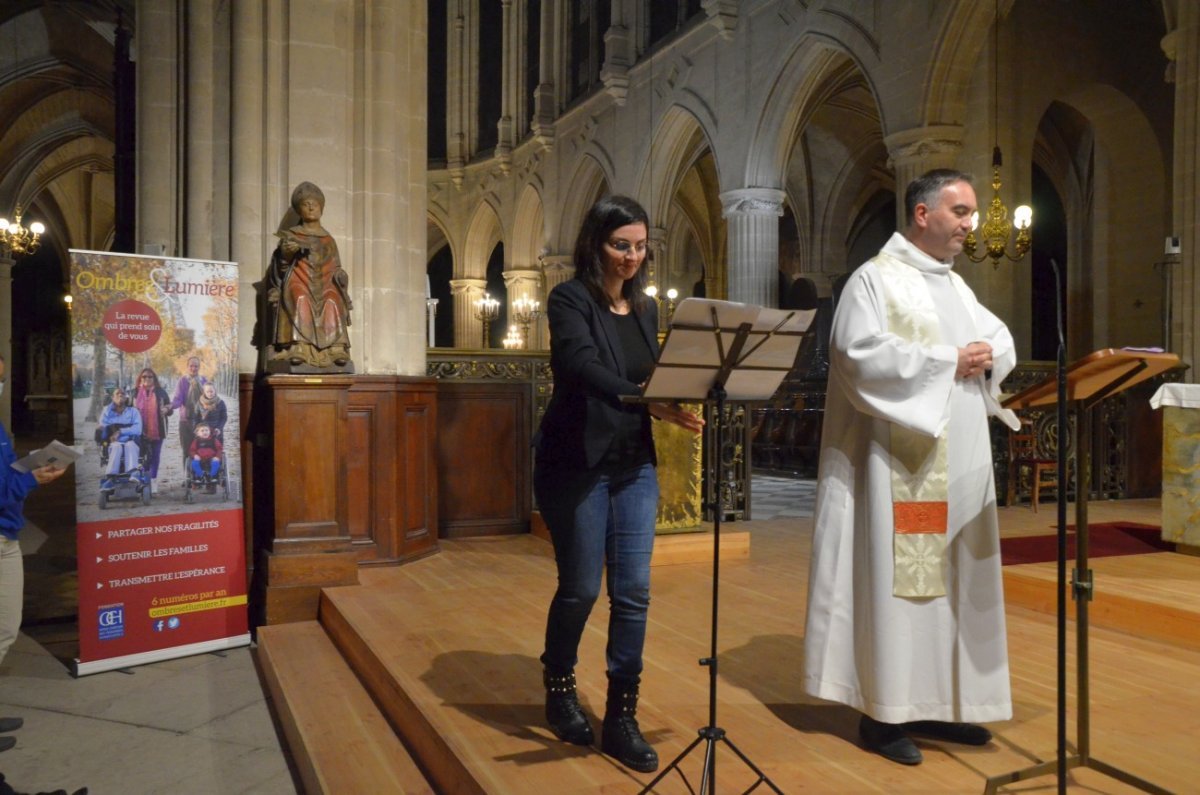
594	475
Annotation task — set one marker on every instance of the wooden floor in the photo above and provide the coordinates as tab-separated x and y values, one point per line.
448	646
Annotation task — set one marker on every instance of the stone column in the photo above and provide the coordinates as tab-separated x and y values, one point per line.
365	148
468	331
913	152
431	305
6	266
753	215
159	105
618	54
509	58
543	96
526	284
457	152
1182	46
556	269
252	200
203	237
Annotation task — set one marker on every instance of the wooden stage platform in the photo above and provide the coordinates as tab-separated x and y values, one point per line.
447	648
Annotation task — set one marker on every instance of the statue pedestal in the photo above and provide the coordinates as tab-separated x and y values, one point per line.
340	473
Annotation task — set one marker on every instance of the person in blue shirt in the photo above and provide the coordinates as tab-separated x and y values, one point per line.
14	487
122	424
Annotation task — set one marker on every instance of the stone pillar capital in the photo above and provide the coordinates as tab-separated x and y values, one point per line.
469	287
558	264
522	278
934	142
752	201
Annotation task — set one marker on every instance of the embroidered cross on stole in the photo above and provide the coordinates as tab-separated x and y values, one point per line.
920	471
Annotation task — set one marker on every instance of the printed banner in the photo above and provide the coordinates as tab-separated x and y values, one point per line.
162	558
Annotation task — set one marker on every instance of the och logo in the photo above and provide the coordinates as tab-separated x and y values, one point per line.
110	621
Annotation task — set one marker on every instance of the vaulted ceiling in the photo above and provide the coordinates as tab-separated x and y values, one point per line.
57	129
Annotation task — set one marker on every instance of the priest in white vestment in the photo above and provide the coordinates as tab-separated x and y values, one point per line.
905	604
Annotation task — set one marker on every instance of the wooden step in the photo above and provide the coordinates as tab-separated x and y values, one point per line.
339	739
1152	596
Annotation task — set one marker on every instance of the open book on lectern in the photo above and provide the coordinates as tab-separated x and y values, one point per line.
748	348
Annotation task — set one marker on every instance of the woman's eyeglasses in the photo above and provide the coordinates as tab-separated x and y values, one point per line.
624	246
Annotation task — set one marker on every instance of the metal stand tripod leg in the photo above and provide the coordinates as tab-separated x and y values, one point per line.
712	733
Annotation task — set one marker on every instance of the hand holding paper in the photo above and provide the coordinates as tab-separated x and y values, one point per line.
55	456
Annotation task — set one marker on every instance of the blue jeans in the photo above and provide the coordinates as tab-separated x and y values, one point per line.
594	521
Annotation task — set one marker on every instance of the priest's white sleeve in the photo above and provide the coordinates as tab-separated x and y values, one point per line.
883	375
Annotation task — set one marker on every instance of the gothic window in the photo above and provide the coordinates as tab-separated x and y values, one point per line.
533	52
669	16
491	74
436	65
588	22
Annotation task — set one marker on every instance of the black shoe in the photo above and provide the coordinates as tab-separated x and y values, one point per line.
620	736
7	742
563	712
964	733
889	741
10	724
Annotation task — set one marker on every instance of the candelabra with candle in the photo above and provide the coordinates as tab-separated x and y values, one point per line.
512	340
16	239
487	309
672	295
525	312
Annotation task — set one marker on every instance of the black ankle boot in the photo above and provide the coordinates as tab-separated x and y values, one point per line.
563	713
621	738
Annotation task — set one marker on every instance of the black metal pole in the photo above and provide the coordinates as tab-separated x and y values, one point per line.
1061	460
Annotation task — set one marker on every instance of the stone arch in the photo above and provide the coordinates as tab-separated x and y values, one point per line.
529	229
1111	174
589	183
957	48
790	103
678	141
483	233
834	162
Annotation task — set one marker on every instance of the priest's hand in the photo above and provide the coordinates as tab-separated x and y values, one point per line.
672	412
973	360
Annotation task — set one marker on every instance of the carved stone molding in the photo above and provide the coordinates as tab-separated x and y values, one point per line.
752	201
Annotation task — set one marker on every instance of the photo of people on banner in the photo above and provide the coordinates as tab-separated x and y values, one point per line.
155	384
162	564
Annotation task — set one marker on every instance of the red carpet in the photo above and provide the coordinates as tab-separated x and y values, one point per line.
1105	540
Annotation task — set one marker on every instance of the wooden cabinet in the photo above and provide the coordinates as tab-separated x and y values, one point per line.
340	472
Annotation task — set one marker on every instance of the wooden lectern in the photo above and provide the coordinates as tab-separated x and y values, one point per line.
1088	381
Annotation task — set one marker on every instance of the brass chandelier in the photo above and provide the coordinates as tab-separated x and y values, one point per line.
997	229
16	240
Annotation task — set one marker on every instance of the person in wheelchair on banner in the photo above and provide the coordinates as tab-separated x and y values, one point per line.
206	456
121	450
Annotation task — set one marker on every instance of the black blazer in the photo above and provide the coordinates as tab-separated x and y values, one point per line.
589	377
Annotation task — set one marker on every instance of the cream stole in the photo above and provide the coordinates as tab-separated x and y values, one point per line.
920	471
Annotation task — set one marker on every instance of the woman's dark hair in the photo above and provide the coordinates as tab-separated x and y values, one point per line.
605	216
150	372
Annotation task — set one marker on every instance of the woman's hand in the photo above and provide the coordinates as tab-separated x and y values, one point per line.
673	413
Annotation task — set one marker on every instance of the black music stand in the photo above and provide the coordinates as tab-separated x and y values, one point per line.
1081	387
717	351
